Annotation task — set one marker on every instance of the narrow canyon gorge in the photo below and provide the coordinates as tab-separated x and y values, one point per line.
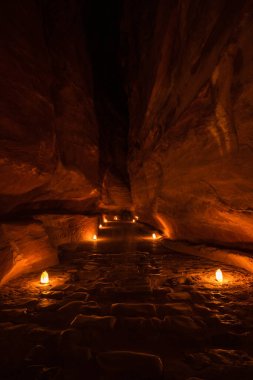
126	173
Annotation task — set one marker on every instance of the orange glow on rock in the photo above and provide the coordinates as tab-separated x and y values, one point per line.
165	225
219	276
44	278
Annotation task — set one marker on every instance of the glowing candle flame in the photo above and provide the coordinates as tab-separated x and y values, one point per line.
219	275
134	220
115	218
105	220
100	226
44	278
136	217
94	237
154	236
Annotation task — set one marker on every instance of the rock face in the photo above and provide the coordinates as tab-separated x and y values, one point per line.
29	249
49	134
115	193
49	151
190	103
103	30
6	255
64	229
134	364
158	91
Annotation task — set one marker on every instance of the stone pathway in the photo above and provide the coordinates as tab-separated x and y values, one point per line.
127	309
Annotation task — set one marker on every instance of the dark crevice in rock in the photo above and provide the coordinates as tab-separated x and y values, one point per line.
103	35
143	106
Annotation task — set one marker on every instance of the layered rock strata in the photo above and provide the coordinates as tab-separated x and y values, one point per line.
190	90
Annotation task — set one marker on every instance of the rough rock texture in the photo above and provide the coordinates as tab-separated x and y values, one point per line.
114	180
115	193
104	39
6	255
64	229
99	325
134	364
49	138
190	97
49	151
28	249
176	76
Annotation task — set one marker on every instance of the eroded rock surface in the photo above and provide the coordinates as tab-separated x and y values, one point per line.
49	151
99	322
28	249
190	105
64	229
49	134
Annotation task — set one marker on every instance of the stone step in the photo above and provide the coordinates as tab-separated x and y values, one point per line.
104	323
133	309
130	364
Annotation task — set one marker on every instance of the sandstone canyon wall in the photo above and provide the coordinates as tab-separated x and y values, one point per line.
173	75
102	25
190	87
49	151
49	134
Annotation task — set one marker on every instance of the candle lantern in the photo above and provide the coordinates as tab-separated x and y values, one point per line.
44	278
219	276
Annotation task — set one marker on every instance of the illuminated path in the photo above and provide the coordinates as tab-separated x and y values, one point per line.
122	293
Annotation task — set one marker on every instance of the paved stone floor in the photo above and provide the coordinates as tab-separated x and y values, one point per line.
127	308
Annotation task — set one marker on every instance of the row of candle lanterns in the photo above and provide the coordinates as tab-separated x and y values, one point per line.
154	236
116	218
44	278
218	273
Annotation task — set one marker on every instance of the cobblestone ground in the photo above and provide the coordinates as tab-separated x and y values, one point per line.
127	308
